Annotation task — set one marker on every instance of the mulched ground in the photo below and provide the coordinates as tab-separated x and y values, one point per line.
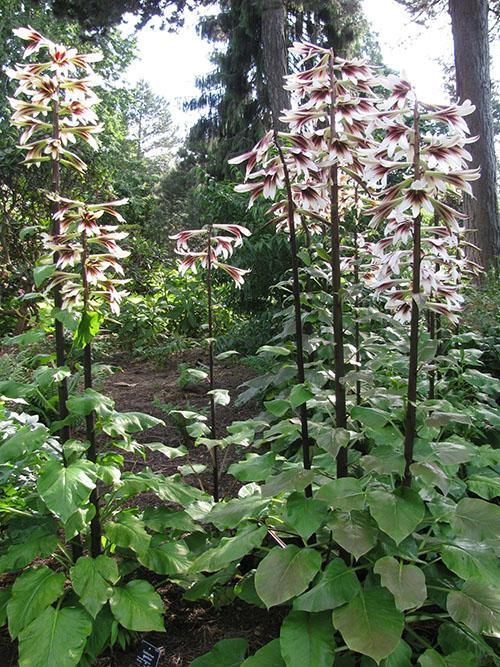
192	628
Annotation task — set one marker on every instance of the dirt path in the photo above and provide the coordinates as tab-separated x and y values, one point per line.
191	628
145	387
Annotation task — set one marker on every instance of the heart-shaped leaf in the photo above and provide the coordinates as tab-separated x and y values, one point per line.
285	573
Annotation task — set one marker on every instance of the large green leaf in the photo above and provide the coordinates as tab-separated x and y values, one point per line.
477	520
42	272
337	585
285	573
229	515
288	480
400	657
485	485
89	401
476	605
344	494
32	592
431	658
162	518
128	532
55	637
304	514
397	513
453	452
121	423
92	580
354	532
255	467
23	442
226	653
87	329
267	656
166	557
370	624
469	558
299	395
229	549
328	438
277	407
306	640
370	417
138	607
38	542
406	582
64	490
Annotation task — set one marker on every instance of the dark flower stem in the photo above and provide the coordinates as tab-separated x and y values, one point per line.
95	524
338	324
357	337
411	407
211	375
432	334
62	386
304	426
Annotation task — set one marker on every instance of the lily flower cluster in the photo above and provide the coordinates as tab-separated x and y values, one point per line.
61	87
213	242
87	254
328	126
427	166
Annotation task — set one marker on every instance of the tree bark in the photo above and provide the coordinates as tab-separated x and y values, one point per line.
275	54
469	23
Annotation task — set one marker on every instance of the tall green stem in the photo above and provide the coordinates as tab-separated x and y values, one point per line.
304	426
411	407
211	374
95	524
338	324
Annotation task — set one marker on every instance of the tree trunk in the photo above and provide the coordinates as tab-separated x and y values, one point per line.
275	57
469	23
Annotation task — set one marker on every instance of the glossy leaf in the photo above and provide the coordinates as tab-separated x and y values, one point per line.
64	490
138	607
267	656
354	532
285	573
477	520
370	624
32	592
397	513
305	515
55	637
229	549
93	580
336	585
226	653
406	582
476	605
306	640
344	494
165	556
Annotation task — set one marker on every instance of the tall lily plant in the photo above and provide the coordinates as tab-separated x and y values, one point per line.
208	248
54	108
316	163
416	266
